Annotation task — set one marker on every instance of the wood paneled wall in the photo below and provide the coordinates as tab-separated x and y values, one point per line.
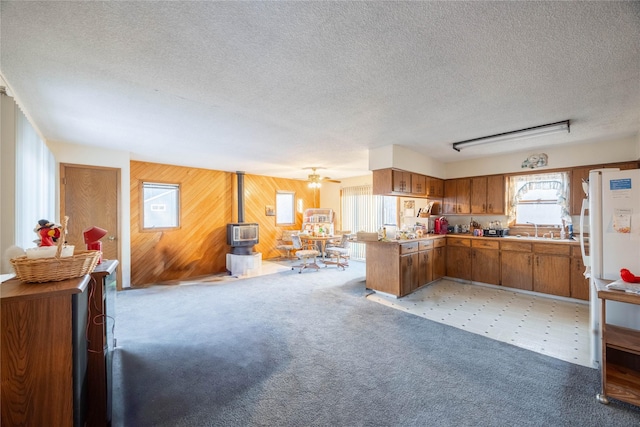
208	202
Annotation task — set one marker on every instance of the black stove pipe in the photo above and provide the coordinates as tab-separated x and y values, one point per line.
240	175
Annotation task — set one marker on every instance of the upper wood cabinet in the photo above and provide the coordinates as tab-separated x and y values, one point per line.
582	173
418	184
457	196
395	182
401	181
577	193
495	194
435	187
487	194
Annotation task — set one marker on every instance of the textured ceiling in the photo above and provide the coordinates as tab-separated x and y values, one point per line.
273	87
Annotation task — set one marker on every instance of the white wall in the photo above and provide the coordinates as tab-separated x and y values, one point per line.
396	156
93	156
7	178
618	150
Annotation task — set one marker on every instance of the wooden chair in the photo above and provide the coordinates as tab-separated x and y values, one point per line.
284	245
339	253
307	253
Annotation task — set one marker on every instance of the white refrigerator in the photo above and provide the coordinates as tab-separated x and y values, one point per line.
614	243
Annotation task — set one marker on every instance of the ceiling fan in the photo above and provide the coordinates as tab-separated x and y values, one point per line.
315	180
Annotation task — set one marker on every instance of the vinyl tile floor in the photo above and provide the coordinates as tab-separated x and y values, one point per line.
555	327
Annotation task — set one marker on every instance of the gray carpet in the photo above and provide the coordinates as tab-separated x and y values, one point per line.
309	349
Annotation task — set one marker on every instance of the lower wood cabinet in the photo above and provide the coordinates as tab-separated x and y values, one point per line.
101	343
43	351
409	268
485	261
579	283
399	268
516	265
459	258
551	269
439	259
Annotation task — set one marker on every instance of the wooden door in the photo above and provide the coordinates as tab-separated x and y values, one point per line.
485	266
449	202
418	184
579	283
517	270
89	197
439	264
551	275
576	192
435	187
495	194
459	262
426	267
463	195
479	195
406	274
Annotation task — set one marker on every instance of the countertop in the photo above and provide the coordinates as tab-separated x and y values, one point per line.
516	239
470	236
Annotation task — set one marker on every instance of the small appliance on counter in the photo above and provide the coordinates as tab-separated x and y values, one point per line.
495	232
440	225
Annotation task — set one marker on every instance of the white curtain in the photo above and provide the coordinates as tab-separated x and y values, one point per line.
362	211
35	182
519	185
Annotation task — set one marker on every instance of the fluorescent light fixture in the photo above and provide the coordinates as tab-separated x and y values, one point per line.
516	135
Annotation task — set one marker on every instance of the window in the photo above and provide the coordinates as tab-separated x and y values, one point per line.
540	199
160	205
285	208
362	211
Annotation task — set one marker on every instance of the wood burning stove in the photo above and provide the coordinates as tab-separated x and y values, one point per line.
242	237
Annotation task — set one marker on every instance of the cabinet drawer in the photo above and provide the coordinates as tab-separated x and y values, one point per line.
459	242
438	243
489	244
554	249
407	248
424	245
515	246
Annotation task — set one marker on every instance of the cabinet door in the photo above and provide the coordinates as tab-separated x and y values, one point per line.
435	187
463	195
401	181
551	275
479	195
579	283
485	266
409	270
439	262
426	267
495	194
449	201
577	193
418	184
459	262
517	270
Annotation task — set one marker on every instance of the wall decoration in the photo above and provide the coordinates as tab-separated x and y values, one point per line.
269	210
535	161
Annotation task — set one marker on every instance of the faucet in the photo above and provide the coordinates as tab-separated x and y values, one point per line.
536	226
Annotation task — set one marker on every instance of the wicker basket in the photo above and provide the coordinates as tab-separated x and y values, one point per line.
40	270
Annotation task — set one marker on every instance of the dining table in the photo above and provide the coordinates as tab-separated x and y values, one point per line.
322	241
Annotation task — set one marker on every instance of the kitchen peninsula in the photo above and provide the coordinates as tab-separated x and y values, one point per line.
548	266
399	267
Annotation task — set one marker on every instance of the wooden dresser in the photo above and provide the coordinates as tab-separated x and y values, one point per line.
43	352
101	342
